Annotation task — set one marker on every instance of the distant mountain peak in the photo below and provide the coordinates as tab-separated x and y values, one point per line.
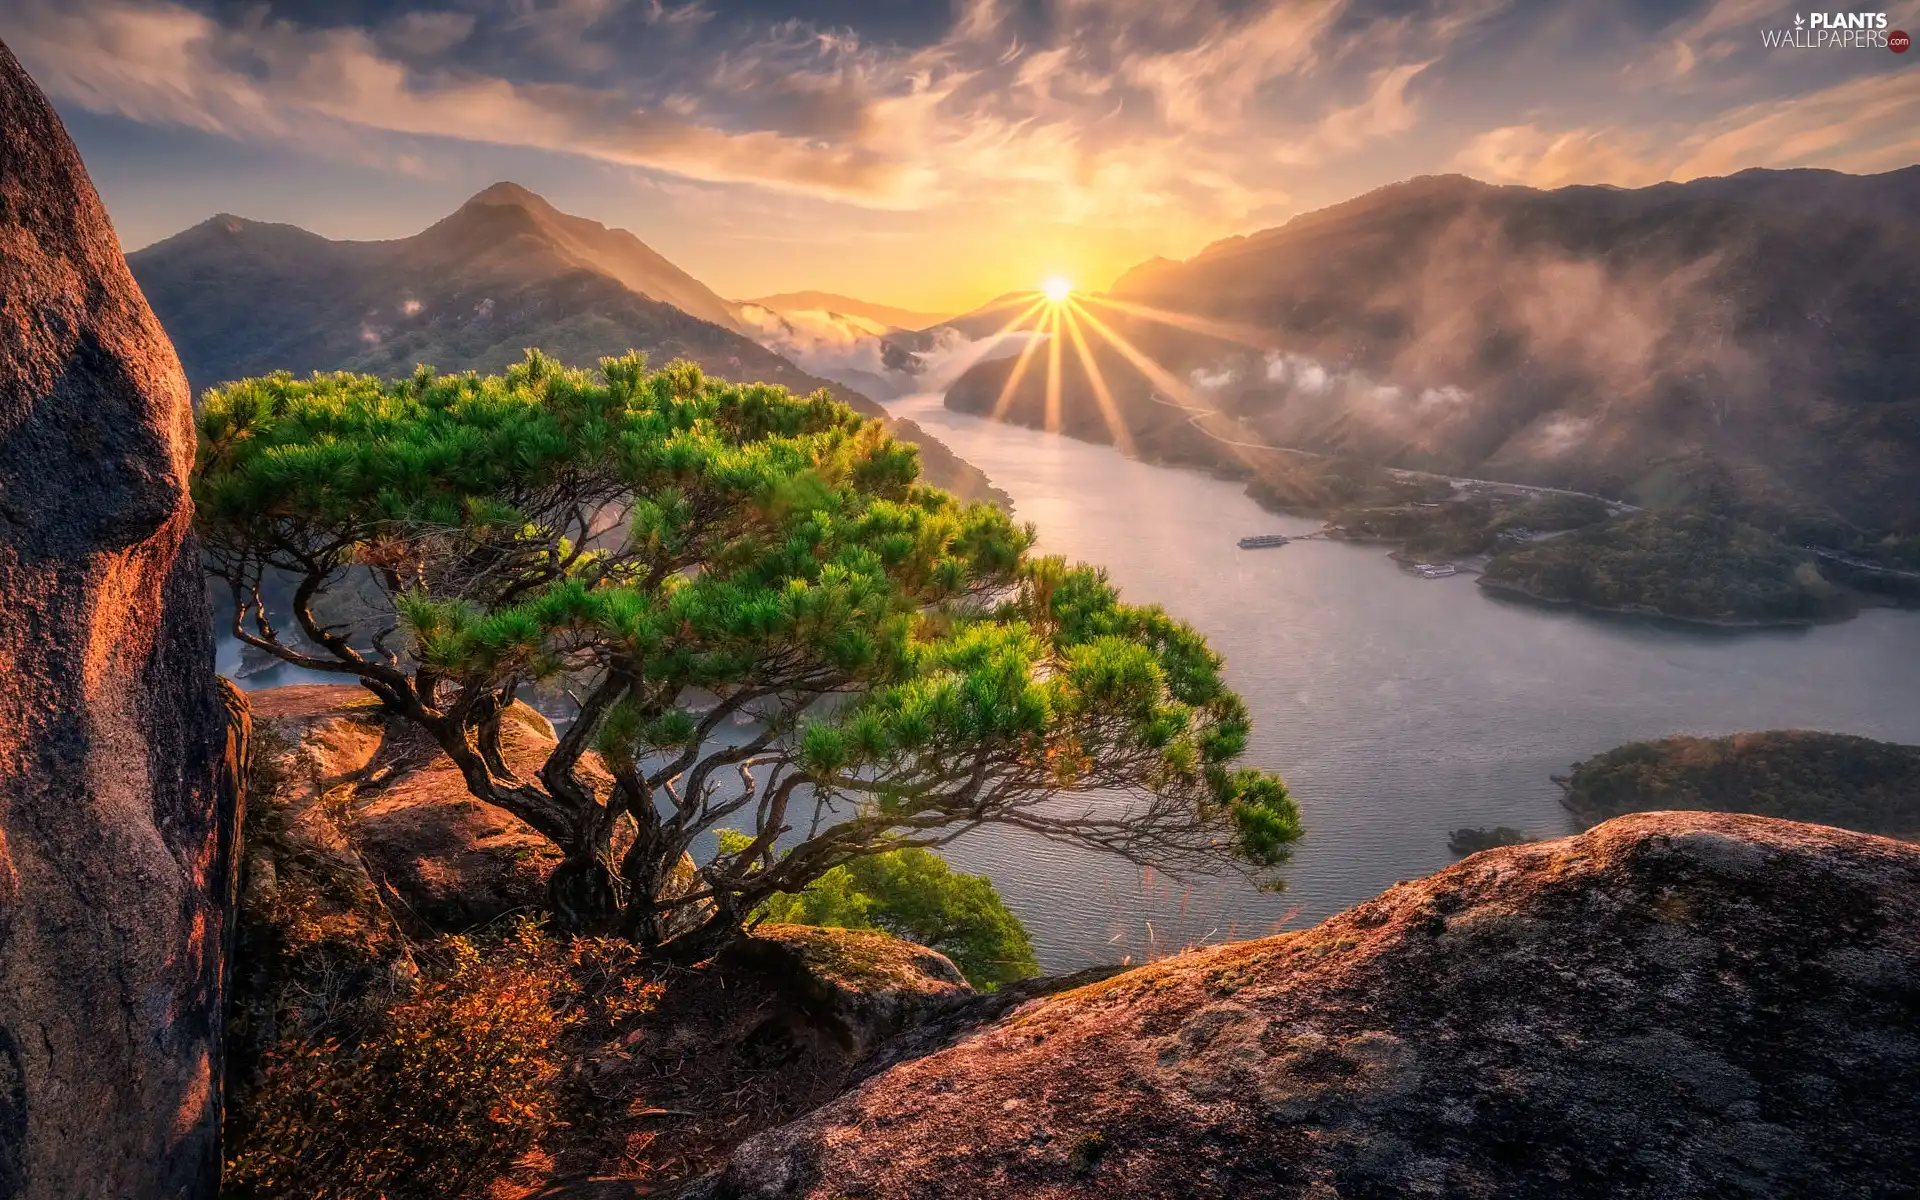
508	192
225	223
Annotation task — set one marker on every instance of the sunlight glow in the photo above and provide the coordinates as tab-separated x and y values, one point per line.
1208	420
1053	370
992	341
1063	318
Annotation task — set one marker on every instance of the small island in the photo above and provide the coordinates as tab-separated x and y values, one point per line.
1481	519
1827	778
1689	565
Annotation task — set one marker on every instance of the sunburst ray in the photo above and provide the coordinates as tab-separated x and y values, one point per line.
1109	411
1053	372
1206	419
986	345
1245	335
1005	399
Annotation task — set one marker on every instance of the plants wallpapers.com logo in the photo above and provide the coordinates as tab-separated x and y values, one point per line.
1837	31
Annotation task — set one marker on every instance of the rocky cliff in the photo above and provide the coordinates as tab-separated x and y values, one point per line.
119	755
1672	1004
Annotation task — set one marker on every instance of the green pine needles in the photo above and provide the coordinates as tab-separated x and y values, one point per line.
761	617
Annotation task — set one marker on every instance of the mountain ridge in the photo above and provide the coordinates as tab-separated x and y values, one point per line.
504	272
1748	335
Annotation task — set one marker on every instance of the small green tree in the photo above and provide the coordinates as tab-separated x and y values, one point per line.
913	894
761	617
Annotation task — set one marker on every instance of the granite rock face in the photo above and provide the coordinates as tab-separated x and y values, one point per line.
121	757
388	816
1672	1004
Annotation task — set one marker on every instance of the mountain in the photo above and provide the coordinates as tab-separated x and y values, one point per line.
1749	337
885	315
505	272
552	240
988	319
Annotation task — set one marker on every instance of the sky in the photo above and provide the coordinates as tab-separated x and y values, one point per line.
930	155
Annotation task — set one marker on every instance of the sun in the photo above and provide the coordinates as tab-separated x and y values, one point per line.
1057	289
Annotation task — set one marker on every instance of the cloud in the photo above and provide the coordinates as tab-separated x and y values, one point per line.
1159	125
1385	112
573	32
1538	158
1445	397
1211	379
168	64
425	34
1558	435
1114	111
1863	125
858	353
1207	85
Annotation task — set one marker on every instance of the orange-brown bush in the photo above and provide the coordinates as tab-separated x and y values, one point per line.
440	1093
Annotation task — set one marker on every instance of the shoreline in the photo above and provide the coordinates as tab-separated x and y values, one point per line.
1475	565
1653	614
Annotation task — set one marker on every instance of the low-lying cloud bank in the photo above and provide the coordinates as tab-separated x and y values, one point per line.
868	357
1286	393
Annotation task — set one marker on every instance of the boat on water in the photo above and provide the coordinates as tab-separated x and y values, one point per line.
1260	541
1436	570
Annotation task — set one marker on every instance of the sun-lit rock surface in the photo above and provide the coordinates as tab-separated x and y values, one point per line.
119	754
383	799
1672	1004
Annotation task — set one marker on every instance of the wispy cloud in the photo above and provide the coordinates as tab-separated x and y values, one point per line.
1863	125
1106	109
1145	126
1386	111
165	63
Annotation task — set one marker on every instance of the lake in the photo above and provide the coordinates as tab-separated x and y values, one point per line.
1397	708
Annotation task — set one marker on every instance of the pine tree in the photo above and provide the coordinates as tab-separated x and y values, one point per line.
762	618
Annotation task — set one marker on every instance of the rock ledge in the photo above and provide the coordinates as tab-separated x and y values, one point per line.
1672	1004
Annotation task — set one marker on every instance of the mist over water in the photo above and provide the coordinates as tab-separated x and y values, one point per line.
1397	708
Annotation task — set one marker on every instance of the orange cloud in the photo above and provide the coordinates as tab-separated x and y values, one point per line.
1863	125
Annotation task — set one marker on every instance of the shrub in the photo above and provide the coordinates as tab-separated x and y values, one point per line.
914	894
435	1097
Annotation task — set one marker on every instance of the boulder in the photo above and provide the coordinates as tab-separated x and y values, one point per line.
856	986
120	755
773	1027
1669	1005
389	811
